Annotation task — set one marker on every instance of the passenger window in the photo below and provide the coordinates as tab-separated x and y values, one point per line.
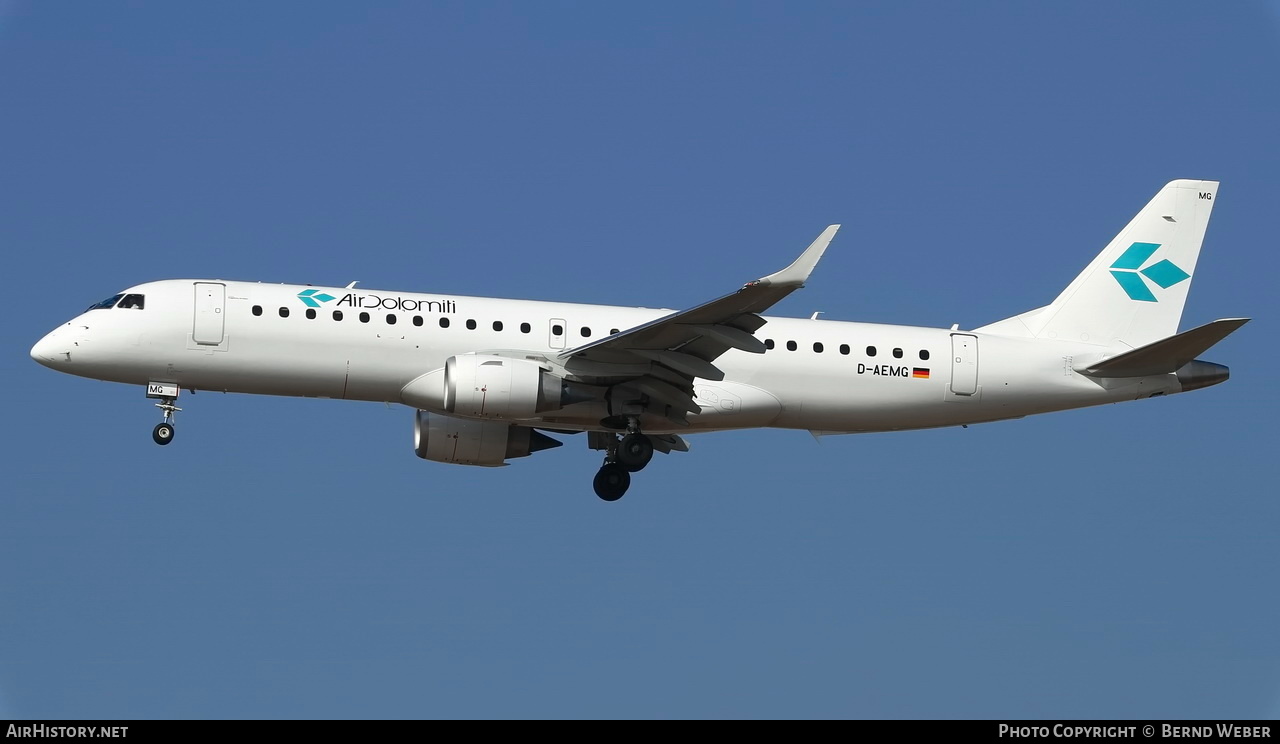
586	332
284	312
817	347
557	330
871	351
768	343
924	354
417	320
311	314
897	353
132	301
497	325
391	319
444	322
337	315
791	346
364	317
257	310
844	349
471	325
525	328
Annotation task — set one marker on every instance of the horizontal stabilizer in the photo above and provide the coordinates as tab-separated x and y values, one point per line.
1166	355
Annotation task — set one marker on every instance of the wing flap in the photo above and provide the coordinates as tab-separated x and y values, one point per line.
666	443
734	338
666	393
685	364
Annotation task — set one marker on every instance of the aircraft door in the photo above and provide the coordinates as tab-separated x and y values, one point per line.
557	331
964	364
208	325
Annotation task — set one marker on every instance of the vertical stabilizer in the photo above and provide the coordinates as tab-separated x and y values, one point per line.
1134	291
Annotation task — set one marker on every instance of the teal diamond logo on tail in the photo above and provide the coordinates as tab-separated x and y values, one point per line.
313	297
1129	273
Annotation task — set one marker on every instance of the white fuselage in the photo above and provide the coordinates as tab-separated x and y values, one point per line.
820	375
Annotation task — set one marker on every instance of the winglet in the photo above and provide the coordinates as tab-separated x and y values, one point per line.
798	272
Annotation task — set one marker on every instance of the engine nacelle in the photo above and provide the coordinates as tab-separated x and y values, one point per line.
493	387
474	442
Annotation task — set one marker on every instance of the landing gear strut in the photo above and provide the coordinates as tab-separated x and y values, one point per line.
622	458
163	433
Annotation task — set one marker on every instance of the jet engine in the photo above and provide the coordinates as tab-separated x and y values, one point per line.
474	442
493	387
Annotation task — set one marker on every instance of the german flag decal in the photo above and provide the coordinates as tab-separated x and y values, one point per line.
920	372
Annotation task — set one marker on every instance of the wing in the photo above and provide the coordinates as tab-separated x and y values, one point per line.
660	359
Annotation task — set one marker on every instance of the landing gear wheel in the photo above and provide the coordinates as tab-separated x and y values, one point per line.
634	452
163	433
612	481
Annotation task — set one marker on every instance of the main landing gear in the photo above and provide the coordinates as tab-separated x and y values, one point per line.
612	481
634	451
621	459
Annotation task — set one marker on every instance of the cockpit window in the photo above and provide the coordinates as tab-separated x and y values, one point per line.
134	301
107	304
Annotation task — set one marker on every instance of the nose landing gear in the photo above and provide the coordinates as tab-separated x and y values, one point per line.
163	433
167	394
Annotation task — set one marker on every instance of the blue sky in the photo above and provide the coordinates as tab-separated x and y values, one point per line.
292	558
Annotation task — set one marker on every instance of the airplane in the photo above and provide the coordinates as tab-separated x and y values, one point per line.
491	380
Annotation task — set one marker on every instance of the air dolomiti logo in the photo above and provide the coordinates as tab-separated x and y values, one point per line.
315	297
1133	278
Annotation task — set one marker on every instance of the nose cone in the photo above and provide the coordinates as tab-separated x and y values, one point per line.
54	350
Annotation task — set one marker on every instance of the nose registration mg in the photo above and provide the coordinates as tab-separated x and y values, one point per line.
161	390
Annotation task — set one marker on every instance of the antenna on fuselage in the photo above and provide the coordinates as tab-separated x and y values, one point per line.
352	285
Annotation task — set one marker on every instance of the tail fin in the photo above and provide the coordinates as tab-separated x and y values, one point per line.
1134	291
